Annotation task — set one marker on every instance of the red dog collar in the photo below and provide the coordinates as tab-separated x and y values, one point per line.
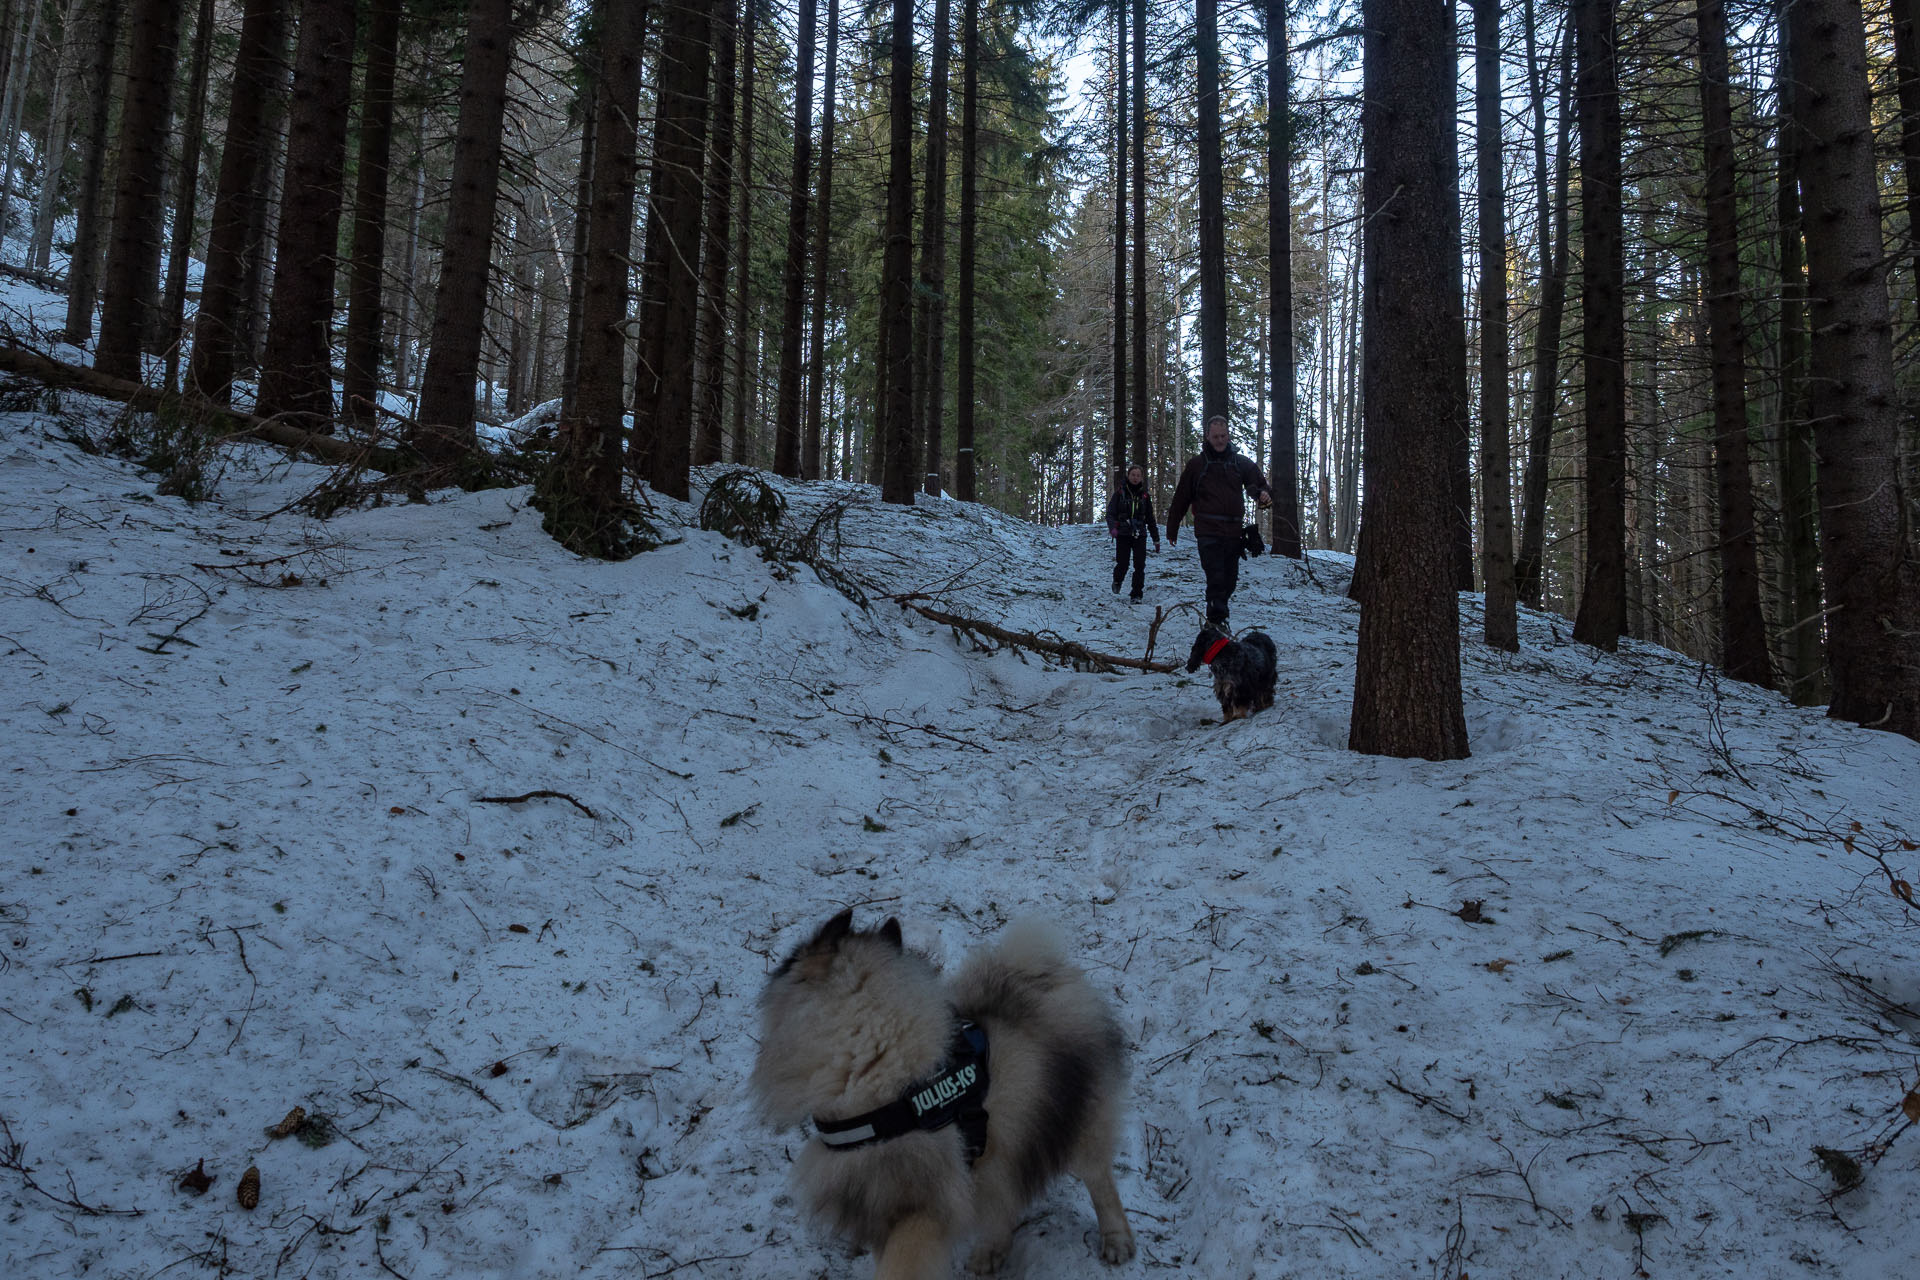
1214	651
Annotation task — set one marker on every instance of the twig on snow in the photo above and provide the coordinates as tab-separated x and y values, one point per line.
541	794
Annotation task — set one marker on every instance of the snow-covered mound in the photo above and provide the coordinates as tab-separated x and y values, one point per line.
479	853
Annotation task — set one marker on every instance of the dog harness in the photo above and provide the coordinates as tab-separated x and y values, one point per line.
1213	650
956	1094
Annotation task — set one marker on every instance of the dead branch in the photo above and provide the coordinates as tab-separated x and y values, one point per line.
1078	655
234	424
13	1157
536	795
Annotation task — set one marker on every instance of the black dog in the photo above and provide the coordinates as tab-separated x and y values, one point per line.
1243	670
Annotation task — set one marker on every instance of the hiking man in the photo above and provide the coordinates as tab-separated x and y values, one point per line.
1129	521
1212	486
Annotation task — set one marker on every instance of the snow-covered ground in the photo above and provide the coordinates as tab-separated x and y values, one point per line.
1582	1005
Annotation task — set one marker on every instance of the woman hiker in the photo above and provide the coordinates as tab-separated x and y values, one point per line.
1129	522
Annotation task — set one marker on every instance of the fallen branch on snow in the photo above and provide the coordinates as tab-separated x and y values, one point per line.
1078	655
233	424
536	795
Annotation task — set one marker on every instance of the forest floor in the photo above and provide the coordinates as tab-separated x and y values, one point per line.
1591	1003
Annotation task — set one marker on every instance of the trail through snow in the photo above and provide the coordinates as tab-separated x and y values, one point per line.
257	768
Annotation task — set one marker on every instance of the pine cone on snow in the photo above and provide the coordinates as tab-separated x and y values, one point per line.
292	1124
249	1190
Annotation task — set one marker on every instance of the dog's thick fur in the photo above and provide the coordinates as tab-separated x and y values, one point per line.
1243	673
852	1018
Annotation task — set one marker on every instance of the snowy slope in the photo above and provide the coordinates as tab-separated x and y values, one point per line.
258	861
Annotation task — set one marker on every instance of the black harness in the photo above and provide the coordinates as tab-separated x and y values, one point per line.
956	1094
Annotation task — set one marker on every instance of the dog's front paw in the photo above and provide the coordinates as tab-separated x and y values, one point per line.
987	1259
1117	1246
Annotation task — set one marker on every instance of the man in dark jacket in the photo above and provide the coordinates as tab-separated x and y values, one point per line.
1212	485
1129	521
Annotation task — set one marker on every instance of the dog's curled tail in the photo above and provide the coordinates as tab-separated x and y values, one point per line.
1031	942
1021	975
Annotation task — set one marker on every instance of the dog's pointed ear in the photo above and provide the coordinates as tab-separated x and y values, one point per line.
835	929
890	932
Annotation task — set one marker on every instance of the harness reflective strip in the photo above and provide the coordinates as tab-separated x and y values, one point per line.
848	1137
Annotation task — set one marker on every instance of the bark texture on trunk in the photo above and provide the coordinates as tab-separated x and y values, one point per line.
1799	507
1602	618
811	465
929	377
1872	564
965	474
1214	397
1407	696
446	416
717	232
582	493
680	149
1743	631
896	280
133	247
1285	471
1501	626
83	268
1529	577
786	412
366	278
296	374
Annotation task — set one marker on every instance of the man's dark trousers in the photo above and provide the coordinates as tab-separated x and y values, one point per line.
1220	561
1136	549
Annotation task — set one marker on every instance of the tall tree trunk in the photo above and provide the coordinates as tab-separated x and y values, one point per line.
446	414
786	428
1407	697
236	196
712	359
1872	564
133	251
186	195
896	275
581	493
1502	626
262	222
360	387
405	367
1139	426
1528	575
1214	398
1799	515
84	266
929	380
19	80
743	341
297	367
577	282
1118	457
810	467
679	161
1603	598
1285	471
964	471
59	135
1743	631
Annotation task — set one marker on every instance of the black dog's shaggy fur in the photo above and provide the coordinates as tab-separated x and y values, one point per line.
1243	670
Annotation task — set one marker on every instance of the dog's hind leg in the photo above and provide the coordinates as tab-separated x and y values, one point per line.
996	1213
918	1248
1116	1237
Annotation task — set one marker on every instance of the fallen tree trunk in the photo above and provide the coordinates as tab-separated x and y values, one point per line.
45	279
232	424
1081	657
